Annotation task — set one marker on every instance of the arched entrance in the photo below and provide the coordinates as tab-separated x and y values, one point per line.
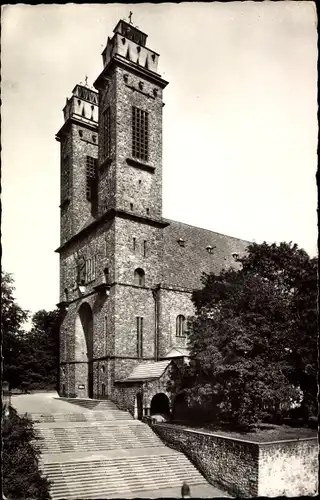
84	346
160	405
139	406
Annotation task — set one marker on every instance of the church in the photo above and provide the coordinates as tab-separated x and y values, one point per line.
126	273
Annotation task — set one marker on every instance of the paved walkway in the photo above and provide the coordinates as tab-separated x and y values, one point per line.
198	491
43	402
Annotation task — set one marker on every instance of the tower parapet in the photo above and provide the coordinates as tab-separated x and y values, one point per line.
82	105
129	43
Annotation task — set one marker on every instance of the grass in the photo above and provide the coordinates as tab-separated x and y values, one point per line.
259	433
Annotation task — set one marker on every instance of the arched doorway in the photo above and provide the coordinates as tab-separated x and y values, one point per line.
139	403
160	405
84	343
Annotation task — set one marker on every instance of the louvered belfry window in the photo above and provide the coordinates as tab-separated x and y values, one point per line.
65	179
91	177
140	134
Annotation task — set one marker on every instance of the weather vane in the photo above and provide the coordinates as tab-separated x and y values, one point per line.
130	16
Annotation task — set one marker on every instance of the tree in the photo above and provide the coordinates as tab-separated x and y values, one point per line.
30	359
41	357
20	458
253	339
12	319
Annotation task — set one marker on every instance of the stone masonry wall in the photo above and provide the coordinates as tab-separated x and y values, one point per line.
289	468
130	303
172	304
124	396
66	206
100	243
129	257
73	344
148	193
227	463
108	172
244	468
83	146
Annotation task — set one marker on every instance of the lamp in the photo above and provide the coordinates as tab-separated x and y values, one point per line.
82	288
63	306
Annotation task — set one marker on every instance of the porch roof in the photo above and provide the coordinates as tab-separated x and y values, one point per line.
176	352
147	371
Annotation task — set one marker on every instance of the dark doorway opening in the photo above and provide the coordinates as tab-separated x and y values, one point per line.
139	406
90	379
160	405
86	329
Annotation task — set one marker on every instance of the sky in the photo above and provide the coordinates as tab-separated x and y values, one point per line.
240	121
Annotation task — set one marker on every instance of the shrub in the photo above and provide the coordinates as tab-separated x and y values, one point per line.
20	457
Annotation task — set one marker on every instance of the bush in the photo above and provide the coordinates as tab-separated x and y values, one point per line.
20	457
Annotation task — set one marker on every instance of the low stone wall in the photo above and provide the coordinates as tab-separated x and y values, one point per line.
227	463
124	396
288	468
246	468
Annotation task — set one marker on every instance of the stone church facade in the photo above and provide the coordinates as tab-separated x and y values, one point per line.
126	273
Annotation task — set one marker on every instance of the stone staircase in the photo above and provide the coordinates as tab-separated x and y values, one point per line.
96	437
102	452
125	475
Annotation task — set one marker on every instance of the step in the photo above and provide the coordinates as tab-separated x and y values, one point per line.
58	440
86	486
81	417
139	484
99	490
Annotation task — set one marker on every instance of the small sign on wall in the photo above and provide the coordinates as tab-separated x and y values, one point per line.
81	386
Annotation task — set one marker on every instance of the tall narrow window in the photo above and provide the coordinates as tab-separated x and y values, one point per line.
107	133
90	269
144	248
139	277
94	267
139	336
65	179
91	175
180	326
140	134
106	274
134	244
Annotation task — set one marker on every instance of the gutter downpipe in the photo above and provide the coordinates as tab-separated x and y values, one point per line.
155	293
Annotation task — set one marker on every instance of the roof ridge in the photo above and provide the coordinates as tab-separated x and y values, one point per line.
205	229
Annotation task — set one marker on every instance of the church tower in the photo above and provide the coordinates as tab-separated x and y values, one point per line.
78	138
111	251
130	125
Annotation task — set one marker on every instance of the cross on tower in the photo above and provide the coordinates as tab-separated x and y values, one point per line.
130	16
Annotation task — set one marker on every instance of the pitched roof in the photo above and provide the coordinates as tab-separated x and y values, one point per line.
176	352
183	265
147	371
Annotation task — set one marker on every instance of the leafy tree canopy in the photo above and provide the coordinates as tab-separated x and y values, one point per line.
30	359
253	339
12	319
